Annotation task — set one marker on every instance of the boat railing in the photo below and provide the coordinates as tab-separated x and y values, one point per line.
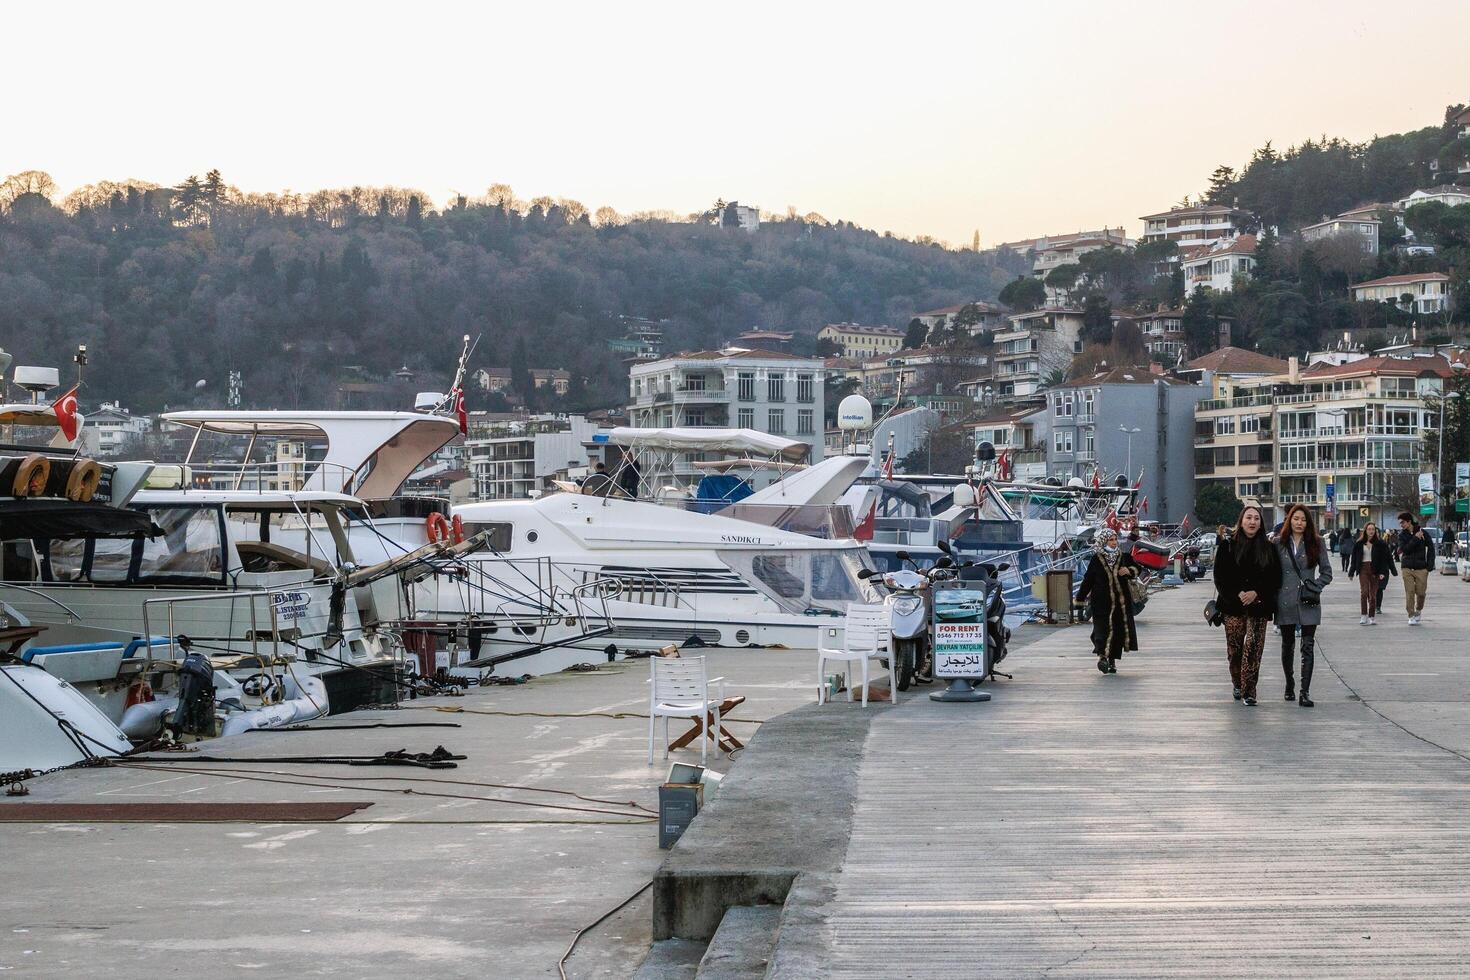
534	592
75	616
283	475
169	602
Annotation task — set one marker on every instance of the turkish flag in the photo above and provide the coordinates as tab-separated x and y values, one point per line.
460	413
65	408
1096	479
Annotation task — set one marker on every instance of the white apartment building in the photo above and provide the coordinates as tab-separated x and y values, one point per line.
1033	347
1361	230
112	426
1216	266
1417	292
988	316
510	458
860	342
1187	227
1069	251
1451	195
737	215
781	394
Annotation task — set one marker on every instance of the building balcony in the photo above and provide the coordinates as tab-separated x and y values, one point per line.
1243	401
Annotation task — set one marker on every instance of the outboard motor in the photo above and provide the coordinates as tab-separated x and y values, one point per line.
195	713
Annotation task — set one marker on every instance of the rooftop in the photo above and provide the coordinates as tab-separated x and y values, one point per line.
1403	279
1200	209
1122	376
1237	360
880	331
1415	367
952	310
734	353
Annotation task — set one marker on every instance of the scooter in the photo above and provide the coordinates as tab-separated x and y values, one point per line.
910	604
1194	569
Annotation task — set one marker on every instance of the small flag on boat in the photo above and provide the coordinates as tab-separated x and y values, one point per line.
1003	465
460	413
65	408
1143	506
1184	525
1096	478
1140	479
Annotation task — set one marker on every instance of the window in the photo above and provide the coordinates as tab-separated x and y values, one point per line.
804	422
1062	441
776	388
1090	443
188	550
694	382
804	388
782	574
1225	425
1087	402
776	421
1251	423
745	386
746	418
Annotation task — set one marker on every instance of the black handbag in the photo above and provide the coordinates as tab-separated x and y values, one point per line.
1213	615
1307	593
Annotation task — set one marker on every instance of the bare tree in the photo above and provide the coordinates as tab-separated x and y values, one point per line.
26	182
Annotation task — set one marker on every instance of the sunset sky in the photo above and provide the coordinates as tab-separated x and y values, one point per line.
923	119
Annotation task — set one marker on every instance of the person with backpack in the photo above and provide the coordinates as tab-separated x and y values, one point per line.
1247	582
1306	569
1372	563
1416	559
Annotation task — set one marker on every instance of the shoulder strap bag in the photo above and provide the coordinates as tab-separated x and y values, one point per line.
1307	593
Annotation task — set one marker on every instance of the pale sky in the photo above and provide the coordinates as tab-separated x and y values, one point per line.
1016	119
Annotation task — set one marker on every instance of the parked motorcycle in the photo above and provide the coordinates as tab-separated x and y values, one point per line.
910	604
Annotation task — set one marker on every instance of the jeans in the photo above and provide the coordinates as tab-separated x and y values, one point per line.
1416	588
1309	649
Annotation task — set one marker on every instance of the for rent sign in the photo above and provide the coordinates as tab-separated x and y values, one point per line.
959	650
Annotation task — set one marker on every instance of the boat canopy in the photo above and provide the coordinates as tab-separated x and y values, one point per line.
369	454
710	439
40	517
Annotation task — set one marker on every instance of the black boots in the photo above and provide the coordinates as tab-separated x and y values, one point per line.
1309	644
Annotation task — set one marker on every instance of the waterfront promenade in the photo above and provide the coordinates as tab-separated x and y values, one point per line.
1145	824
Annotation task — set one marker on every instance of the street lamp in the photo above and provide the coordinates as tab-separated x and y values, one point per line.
1130	433
1439	459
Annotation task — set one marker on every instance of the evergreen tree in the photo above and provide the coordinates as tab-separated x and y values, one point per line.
1097	319
916	334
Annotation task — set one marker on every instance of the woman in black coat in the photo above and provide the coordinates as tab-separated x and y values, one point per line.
1372	564
1247	579
1105	588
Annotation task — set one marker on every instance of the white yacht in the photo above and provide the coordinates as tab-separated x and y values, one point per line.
776	567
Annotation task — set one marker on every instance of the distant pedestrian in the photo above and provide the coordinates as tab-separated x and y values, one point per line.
1306	569
1372	563
1247	580
1345	547
1416	558
1105	588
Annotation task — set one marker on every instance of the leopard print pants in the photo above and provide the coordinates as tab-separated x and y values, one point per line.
1245	638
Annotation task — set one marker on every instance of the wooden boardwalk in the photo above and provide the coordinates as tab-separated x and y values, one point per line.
1146	824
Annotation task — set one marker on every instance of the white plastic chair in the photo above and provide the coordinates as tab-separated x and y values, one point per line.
866	636
678	688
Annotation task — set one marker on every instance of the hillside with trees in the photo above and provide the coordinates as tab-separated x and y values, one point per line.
170	286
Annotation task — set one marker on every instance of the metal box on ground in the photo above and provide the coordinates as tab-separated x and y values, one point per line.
1059	595
677	805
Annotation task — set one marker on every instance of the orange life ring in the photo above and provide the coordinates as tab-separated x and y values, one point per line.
83	480
437	528
30	479
456	524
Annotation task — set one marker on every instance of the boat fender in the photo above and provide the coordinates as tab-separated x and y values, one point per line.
145	719
457	526
31	477
82	482
437	528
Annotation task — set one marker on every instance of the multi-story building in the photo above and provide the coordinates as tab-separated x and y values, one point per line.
113	426
1354	227
862	342
499	379
1415	292
987	316
1452	195
1024	432
1092	427
737	215
781	394
1216	265
758	339
511	458
1069	250
1187	227
1163	335
1024	245
1349	432
1033	347
644	340
931	370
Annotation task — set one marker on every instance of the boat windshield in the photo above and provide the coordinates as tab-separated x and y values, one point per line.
188	552
805	580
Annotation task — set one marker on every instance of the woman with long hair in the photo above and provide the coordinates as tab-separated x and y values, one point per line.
1306	569
1248	580
1372	563
1105	588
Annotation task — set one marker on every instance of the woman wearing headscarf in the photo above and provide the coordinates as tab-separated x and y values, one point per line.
1306	569
1247	580
1105	588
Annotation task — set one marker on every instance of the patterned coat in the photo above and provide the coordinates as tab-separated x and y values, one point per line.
1111	603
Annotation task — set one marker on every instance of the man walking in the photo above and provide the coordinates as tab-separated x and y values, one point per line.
1416	558
1345	547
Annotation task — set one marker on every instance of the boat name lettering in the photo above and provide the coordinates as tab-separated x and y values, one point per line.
740	539
290	605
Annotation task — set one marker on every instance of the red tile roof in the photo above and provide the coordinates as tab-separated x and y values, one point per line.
1237	360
